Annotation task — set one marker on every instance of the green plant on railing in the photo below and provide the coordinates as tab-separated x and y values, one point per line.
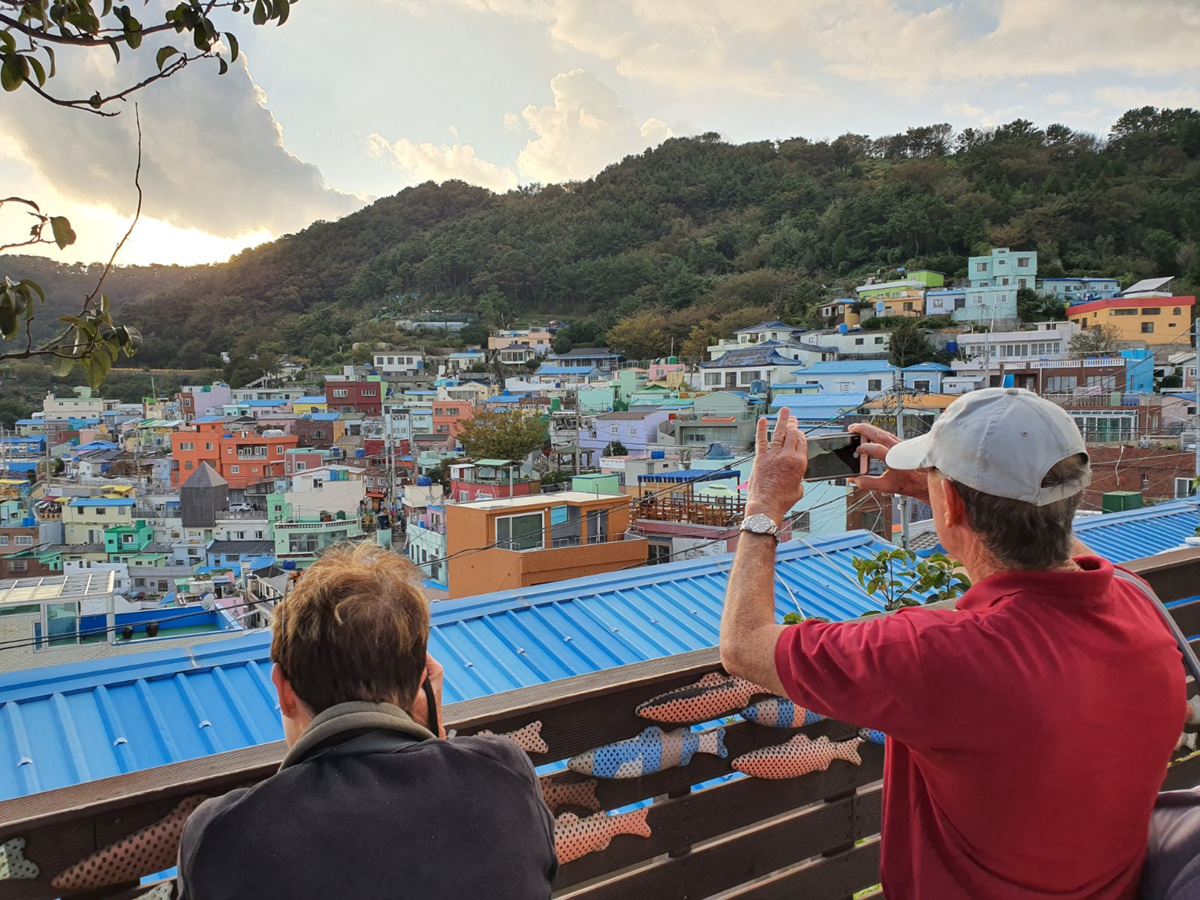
901	578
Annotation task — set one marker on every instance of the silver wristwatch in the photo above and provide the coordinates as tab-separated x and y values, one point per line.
759	523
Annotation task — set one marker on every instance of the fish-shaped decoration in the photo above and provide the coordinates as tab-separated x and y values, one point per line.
651	751
1186	739
529	738
1193	710
711	697
797	756
874	735
556	794
13	863
575	837
150	849
779	713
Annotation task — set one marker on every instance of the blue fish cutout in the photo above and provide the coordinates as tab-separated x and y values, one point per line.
651	751
872	734
779	713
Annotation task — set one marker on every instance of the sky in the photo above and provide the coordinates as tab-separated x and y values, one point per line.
351	101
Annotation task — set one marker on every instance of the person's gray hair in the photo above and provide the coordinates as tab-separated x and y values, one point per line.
1022	535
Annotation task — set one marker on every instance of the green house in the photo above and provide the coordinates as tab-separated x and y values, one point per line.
130	539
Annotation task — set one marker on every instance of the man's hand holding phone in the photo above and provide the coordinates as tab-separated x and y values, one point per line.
876	444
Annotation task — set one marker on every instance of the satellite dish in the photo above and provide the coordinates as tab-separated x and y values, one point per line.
208	601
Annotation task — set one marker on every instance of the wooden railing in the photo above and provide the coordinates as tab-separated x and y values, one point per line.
815	836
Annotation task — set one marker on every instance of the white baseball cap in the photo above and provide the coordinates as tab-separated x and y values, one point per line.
1001	441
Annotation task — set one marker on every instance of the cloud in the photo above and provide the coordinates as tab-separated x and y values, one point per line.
778	47
582	130
444	162
213	155
1136	97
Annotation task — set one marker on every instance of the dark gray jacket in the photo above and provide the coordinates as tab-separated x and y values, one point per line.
433	819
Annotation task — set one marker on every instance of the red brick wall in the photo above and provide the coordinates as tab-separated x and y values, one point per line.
1151	470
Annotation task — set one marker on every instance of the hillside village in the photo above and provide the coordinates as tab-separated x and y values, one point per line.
185	517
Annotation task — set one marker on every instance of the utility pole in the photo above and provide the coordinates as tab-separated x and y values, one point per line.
900	434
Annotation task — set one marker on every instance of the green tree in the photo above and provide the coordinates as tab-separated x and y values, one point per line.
1102	340
32	33
643	336
502	434
902	580
909	346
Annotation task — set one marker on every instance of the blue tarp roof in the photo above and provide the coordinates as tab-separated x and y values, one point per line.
689	475
62	725
1123	536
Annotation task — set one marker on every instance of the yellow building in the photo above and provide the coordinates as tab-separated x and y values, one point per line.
1155	320
304	405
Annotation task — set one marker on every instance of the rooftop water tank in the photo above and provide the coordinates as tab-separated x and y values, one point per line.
424	481
843	328
658	454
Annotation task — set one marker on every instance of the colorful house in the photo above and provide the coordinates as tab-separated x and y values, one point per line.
1155	320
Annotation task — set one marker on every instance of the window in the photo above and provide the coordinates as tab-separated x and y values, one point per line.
340	392
128	538
279	448
1184	487
189	465
879	340
239	535
101	511
908	305
186	445
1147	328
523	532
1152	311
874	384
921	386
712	379
3	540
301	466
659	553
802	522
981	267
208	445
1123	312
613	429
235	470
858	342
1022	262
370	392
1177	311
18	565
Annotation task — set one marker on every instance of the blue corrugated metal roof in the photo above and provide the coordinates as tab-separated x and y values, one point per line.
1123	536
847	367
100	501
687	475
63	725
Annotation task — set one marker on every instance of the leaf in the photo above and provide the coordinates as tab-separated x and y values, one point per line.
34	287
232	41
50	56
96	100
61	366
38	70
222	66
260	13
283	10
115	49
163	54
10	72
64	235
8	317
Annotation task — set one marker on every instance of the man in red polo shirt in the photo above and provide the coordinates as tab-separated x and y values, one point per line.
1028	729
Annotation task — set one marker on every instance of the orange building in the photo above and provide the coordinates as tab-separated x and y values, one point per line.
242	458
536	540
448	416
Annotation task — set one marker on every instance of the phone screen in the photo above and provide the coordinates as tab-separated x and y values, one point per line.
833	456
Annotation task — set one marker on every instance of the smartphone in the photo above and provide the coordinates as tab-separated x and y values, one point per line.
833	456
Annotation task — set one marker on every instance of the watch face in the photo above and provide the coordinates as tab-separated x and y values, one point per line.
759	523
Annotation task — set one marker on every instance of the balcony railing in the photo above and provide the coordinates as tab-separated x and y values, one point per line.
724	512
814	836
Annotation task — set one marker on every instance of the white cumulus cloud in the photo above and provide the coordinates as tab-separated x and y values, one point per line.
583	129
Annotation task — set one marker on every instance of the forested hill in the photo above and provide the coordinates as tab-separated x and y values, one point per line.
703	225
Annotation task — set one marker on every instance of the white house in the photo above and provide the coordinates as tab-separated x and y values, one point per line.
399	362
852	343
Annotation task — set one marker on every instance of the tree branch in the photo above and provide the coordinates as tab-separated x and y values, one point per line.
94	108
81	39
